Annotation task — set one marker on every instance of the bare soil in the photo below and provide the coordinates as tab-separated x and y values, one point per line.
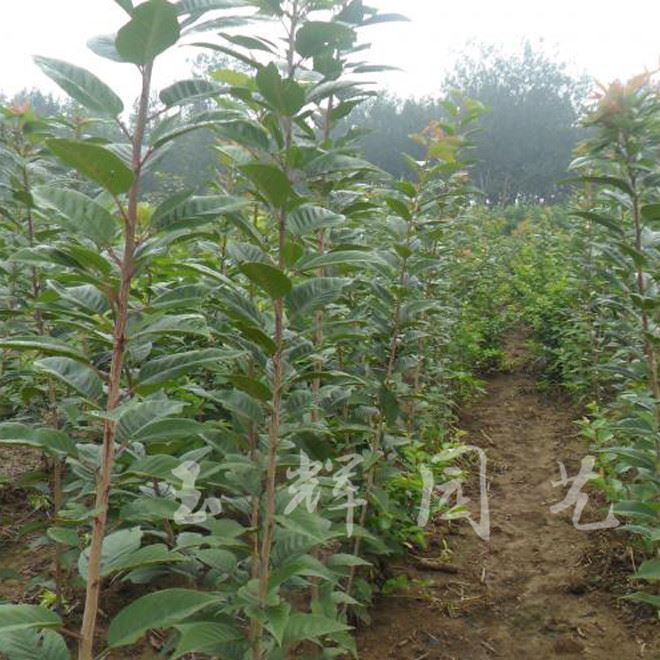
539	588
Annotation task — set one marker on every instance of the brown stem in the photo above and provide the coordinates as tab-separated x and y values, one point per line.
268	524
103	484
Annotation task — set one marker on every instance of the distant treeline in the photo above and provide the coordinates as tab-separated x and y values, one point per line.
522	148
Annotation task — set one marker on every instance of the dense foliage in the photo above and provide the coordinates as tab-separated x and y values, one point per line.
236	387
587	283
233	390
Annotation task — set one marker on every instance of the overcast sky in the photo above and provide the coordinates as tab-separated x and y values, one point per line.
607	39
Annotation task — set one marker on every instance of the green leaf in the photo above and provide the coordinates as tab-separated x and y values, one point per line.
104	46
610	181
162	609
138	415
241	404
200	7
30	644
51	441
152	29
306	219
649	570
46	345
206	637
171	428
63	535
126	5
186	91
76	375
311	626
218	558
95	162
316	37
271	182
169	367
182	207
609	223
641	597
172	324
399	207
385	18
354	258
21	617
116	547
249	134
315	293
251	386
275	620
268	278
284	96
82	86
79	214
651	212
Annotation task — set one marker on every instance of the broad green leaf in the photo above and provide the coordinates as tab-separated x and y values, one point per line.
157	466
316	37
152	29
612	181
241	404
51	441
218	558
182	207
385	18
275	620
186	91
649	570
82	86
354	258
251	386
271	182
46	345
80	377
249	134
21	617
173	324
651	212
31	644
80	214
199	7
306	219
95	162
303	626
399	207
247	252
103	45
138	415
284	96
315	293
162	609
610	223
641	597
171	428
126	5
116	547
63	535
168	367
206	637
268	278
306	566
85	297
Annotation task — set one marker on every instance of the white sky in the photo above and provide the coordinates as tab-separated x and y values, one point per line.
607	38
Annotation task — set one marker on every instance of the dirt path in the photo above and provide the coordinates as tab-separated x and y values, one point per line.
540	588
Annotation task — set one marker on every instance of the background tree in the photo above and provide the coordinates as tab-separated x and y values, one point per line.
528	135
